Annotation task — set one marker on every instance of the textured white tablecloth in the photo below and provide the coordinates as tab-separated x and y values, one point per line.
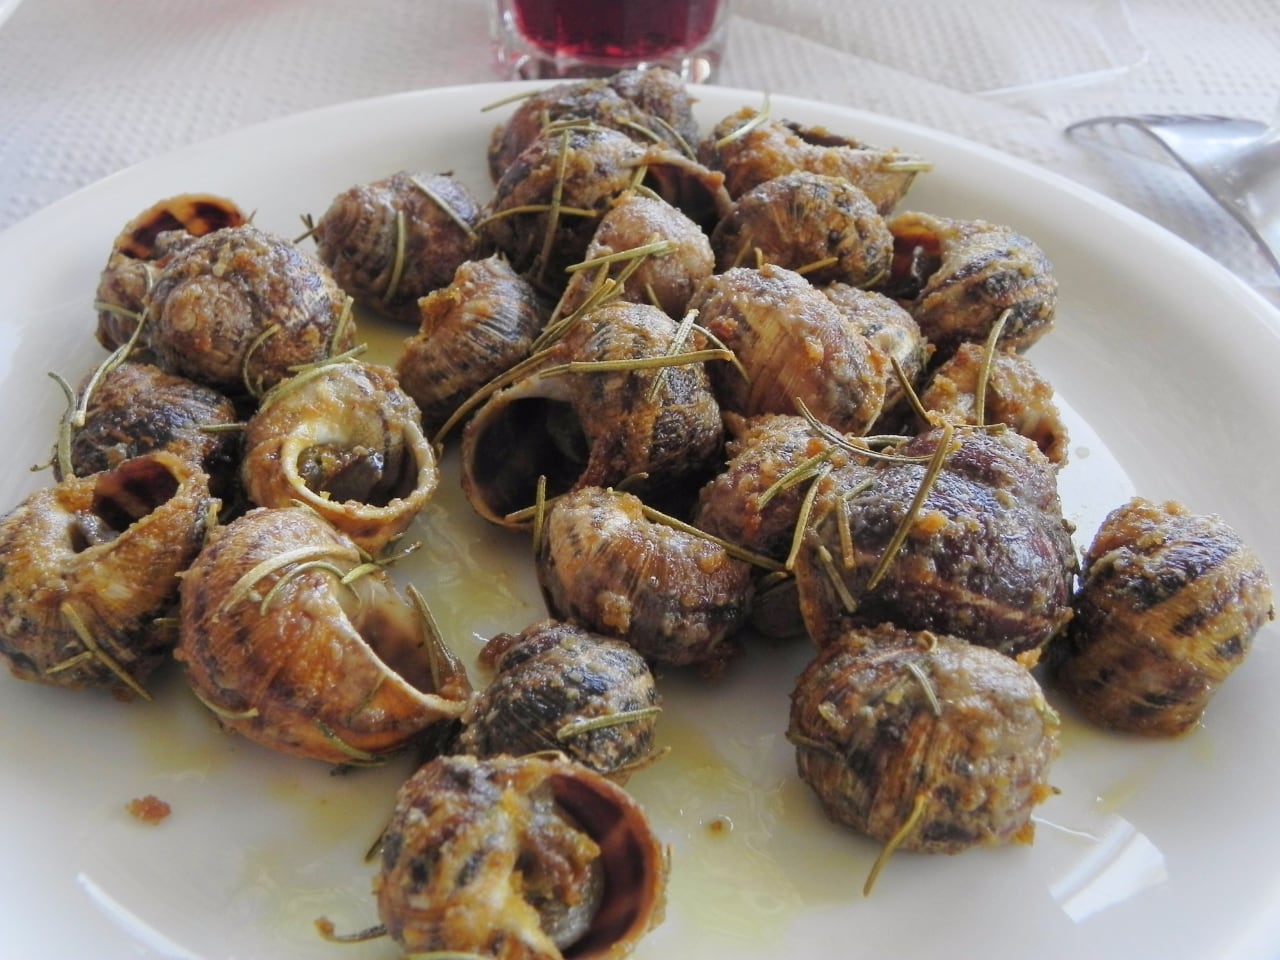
88	87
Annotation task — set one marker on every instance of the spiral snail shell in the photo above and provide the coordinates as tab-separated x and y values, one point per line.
89	571
528	858
296	642
1168	606
346	441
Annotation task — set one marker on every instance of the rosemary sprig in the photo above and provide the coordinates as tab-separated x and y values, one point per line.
576	728
901	834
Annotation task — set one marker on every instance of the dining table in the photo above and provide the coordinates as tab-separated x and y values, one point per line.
1172	318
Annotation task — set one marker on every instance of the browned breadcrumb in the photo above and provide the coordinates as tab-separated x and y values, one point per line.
149	809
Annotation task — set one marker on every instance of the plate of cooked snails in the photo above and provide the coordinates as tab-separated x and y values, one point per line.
620	518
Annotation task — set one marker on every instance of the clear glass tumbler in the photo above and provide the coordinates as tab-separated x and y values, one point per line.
585	38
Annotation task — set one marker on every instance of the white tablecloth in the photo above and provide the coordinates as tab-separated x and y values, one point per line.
88	87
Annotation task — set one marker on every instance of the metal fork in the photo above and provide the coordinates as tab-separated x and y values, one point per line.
1236	161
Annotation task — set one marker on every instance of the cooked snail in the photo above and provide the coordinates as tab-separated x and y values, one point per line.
676	596
1015	395
1168	607
519	859
651	250
394	240
650	106
561	688
750	149
985	555
89	572
795	347
346	441
237	308
611	400
483	323
142	246
824	227
960	277
294	640
136	408
923	741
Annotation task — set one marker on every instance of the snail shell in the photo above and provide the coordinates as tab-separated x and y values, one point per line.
795	347
749	152
666	279
294	641
90	568
596	427
823	226
144	243
394	240
948	742
1016	395
137	408
471	331
549	200
988	556
238	308
561	688
960	276
518	858
346	441
677	597
650	105
1168	607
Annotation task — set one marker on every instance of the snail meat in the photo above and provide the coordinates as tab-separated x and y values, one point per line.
923	740
823	226
479	326
89	572
561	688
676	596
294	640
524	858
1168	606
346	441
750	149
394	240
987	555
237	308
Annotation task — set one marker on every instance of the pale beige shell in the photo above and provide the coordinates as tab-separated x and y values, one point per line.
345	440
293	640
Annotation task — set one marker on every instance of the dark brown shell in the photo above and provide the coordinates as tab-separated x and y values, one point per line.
650	105
958	277
795	347
988	558
803	220
594	427
667	279
1016	395
238	308
346	441
479	326
137	408
89	570
394	240
290	652
561	688
518	859
675	596
144	243
947	742
550	199
1168	607
774	147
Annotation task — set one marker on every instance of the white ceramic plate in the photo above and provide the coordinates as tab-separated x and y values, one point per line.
1165	366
